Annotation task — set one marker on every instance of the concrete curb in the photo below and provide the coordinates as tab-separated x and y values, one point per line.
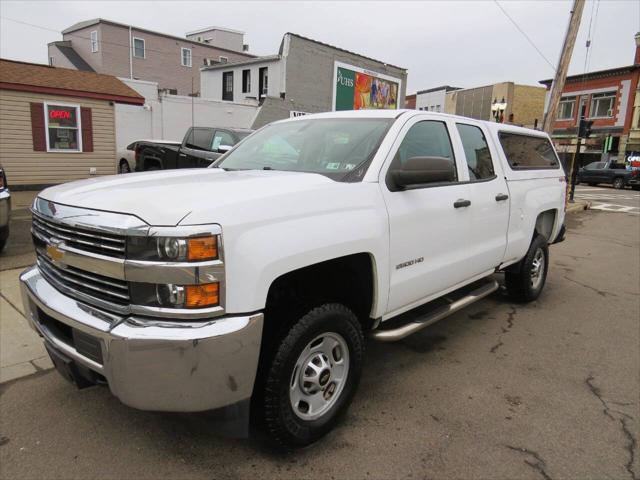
578	206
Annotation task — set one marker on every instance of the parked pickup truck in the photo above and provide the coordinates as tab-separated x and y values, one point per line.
127	158
608	172
199	148
250	285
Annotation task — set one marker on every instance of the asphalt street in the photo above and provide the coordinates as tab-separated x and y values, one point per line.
608	199
546	390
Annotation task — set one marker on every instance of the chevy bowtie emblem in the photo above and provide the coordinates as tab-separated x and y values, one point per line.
54	252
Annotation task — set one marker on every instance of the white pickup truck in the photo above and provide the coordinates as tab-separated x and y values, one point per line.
253	283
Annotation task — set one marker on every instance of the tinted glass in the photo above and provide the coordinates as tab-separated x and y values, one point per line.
476	151
331	147
424	139
200	138
222	138
526	151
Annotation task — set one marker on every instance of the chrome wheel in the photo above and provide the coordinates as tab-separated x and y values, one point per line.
537	269
319	376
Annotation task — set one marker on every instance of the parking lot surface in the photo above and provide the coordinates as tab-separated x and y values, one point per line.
546	390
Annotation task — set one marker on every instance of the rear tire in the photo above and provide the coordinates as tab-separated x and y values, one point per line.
525	280
618	183
313	376
124	167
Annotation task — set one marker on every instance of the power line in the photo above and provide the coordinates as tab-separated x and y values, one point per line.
525	35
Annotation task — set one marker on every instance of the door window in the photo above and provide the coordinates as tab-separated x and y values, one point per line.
199	139
424	139
222	138
477	152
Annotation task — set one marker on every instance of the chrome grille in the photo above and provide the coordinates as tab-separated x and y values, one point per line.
94	241
72	280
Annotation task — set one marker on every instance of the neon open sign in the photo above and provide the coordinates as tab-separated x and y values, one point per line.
60	114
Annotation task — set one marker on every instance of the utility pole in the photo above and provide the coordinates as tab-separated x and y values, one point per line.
563	65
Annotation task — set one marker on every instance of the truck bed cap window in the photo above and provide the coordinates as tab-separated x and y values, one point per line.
527	152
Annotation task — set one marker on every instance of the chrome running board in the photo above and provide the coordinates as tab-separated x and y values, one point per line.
393	335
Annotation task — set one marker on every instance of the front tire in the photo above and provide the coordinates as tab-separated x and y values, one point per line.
313	376
124	167
526	280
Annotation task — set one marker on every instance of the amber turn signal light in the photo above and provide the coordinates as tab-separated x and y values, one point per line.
202	248
200	296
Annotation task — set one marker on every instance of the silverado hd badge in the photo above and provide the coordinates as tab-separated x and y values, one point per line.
409	263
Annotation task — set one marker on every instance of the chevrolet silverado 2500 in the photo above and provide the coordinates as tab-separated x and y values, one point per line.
254	282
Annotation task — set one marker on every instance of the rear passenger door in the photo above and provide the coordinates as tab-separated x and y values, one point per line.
489	197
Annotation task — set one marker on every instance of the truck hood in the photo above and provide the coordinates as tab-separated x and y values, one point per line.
195	196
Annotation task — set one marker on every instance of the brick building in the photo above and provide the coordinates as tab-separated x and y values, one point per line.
306	76
500	102
606	97
121	50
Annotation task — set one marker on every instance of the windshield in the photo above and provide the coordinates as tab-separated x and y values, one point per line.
338	148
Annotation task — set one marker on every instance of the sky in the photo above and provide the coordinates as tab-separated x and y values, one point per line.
458	43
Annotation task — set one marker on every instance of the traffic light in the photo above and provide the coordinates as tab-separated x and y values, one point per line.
584	130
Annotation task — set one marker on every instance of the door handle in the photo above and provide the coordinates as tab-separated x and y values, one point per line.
501	196
183	154
461	203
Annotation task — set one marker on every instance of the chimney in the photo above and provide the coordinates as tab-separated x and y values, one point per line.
637	59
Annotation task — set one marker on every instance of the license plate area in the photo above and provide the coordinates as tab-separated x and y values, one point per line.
79	375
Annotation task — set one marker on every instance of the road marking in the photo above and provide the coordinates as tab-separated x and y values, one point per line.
611	207
606	196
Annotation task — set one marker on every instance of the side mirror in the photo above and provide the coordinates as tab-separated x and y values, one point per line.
421	170
224	148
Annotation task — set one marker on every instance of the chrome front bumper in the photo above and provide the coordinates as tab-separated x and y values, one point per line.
5	208
156	364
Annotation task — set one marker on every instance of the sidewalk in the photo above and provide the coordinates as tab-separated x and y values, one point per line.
21	349
22	352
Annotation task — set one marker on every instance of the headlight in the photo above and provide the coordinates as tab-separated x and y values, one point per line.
173	249
203	295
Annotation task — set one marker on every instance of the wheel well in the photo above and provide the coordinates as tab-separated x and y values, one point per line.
347	280
545	222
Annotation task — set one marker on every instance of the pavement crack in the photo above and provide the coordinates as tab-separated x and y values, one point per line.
602	293
496	346
631	447
11	303
596	391
632	442
539	465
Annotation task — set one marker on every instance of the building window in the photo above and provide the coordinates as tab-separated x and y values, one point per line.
264	81
138	47
565	109
223	59
602	105
94	41
246	81
63	128
185	57
227	86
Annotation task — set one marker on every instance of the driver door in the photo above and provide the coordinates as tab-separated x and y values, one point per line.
429	224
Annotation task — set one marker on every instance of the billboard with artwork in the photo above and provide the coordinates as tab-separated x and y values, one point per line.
356	89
